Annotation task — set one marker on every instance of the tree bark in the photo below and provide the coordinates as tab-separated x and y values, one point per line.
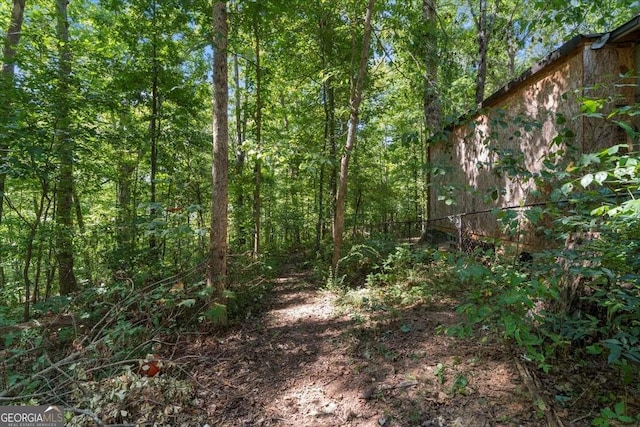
6	87
125	232
432	107
153	133
327	36
33	230
64	193
483	45
257	169
217	263
357	83
240	155
432	110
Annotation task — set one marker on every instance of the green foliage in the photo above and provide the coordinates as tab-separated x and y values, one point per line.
616	416
579	300
504	300
360	260
124	79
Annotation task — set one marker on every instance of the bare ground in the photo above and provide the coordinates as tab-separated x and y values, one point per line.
305	362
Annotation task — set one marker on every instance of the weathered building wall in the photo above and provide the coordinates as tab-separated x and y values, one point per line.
603	79
491	161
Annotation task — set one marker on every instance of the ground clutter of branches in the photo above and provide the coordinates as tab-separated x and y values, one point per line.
108	354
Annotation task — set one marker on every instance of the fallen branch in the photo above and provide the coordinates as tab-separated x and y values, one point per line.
533	385
91	415
371	391
403	384
45	323
17	387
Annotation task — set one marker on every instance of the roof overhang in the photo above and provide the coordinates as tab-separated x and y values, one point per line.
628	32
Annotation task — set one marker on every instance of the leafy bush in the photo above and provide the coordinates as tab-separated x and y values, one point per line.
582	298
361	259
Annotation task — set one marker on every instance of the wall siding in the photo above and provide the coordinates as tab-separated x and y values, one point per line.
502	148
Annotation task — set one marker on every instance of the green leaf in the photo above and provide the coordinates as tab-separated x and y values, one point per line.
9	338
620	408
594	349
632	206
405	328
601	177
614	150
602	210
187	303
586	180
614	355
590	105
216	313
588	159
627	128
567	188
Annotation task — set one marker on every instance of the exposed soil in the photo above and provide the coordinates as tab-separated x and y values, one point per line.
305	362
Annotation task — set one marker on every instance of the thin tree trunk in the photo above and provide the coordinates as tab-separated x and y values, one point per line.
64	192
7	81
36	285
257	170
153	131
6	87
33	230
124	218
432	107
320	220
78	209
432	110
333	155
240	156
355	100
328	102
483	45
217	264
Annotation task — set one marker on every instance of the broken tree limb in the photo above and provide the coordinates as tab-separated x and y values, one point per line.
533	386
17	387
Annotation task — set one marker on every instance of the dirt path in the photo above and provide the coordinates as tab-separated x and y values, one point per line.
304	363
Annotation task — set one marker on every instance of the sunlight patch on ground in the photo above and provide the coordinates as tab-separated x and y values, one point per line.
313	307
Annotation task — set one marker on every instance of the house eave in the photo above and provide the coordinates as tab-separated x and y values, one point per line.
562	52
626	32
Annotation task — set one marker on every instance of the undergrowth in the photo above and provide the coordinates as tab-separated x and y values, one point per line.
520	304
91	353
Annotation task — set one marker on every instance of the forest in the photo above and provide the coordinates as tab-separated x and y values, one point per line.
216	213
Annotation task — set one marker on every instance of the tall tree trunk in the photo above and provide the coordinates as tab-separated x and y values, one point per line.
483	44
33	230
6	87
41	243
153	132
124	218
357	83
333	156
329	131
257	169
512	49
64	192
240	156
327	36
432	110
217	263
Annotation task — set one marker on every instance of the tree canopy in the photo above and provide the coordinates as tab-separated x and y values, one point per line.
146	141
